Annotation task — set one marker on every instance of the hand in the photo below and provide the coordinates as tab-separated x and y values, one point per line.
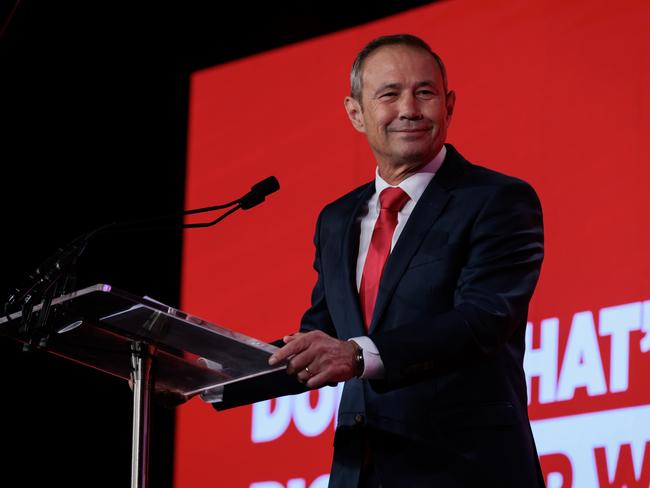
316	358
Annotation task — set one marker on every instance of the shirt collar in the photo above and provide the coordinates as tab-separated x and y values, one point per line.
415	184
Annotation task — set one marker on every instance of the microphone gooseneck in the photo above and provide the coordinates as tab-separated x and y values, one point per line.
64	259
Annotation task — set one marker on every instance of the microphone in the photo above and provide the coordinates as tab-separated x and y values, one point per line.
65	258
259	192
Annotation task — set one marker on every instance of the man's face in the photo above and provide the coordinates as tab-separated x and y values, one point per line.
404	111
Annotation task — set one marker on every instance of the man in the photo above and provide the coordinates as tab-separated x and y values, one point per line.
424	280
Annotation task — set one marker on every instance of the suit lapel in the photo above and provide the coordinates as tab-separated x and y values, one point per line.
426	212
349	251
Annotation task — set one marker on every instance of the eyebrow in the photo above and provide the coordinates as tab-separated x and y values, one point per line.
393	86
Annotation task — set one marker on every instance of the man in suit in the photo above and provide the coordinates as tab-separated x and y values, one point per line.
421	301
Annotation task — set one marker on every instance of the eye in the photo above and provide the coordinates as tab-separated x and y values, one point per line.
426	94
388	95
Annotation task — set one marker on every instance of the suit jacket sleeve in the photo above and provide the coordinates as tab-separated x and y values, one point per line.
491	297
317	316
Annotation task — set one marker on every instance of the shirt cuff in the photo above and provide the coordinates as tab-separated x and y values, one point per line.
373	365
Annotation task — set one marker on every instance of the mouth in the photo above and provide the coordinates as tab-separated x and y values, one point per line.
412	129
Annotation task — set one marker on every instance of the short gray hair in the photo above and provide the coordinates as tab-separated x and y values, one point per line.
392	40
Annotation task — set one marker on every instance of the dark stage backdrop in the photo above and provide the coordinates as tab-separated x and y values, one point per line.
554	92
93	126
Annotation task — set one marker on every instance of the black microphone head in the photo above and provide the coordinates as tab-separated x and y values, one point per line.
266	186
258	192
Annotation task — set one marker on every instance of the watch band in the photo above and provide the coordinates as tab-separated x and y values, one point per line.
358	358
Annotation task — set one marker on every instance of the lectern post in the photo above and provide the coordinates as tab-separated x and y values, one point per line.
142	364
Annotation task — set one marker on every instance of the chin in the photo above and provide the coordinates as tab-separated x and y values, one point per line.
416	155
414	159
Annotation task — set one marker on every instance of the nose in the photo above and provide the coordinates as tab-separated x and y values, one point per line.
409	108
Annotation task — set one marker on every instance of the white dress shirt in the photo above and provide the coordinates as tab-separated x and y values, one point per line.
414	187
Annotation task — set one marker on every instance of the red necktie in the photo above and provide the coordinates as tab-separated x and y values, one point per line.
391	201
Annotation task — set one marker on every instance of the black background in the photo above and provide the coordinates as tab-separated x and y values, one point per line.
93	122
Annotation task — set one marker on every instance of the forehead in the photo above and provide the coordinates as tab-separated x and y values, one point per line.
400	64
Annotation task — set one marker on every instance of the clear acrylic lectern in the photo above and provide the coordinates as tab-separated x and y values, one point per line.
162	350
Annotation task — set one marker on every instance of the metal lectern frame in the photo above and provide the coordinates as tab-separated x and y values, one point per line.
159	349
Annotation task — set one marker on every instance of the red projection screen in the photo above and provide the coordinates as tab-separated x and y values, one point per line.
554	92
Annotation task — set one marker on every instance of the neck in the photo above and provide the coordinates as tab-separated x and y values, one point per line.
395	174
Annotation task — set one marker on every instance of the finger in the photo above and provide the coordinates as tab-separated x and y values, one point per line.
301	361
317	380
284	352
292	337
303	375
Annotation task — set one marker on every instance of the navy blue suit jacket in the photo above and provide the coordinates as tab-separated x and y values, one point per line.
449	324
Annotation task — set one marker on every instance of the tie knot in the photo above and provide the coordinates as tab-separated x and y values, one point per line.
393	198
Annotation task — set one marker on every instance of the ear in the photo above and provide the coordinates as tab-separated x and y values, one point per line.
355	113
451	103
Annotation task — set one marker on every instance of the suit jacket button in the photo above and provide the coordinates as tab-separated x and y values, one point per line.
358	419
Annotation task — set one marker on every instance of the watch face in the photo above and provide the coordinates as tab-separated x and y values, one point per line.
361	366
358	358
